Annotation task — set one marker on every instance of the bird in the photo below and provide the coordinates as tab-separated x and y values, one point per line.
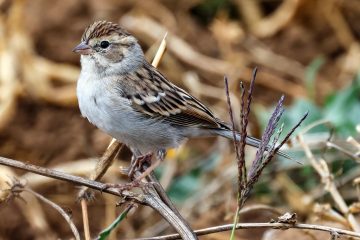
123	95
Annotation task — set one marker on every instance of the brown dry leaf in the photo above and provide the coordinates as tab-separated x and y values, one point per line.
268	26
226	31
6	177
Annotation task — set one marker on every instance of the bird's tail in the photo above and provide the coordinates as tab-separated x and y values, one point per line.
251	141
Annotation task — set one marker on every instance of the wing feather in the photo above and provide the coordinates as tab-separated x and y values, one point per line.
156	97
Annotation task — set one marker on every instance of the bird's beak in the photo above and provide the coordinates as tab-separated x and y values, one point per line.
82	49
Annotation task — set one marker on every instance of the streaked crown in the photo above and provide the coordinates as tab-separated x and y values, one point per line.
102	28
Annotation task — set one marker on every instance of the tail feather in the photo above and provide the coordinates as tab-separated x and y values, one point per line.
251	141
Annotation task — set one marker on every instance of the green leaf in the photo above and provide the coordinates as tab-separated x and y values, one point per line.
343	108
207	10
106	232
184	186
297	110
188	184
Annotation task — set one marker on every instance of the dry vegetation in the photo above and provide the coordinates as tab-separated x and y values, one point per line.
305	49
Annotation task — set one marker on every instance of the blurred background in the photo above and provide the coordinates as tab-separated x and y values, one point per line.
307	50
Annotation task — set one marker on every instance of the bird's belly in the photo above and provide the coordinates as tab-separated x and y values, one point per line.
128	126
145	135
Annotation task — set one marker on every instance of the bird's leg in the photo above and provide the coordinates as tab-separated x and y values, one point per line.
136	160
142	164
160	156
137	163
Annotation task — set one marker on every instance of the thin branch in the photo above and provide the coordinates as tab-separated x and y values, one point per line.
180	225
102	165
57	208
59	175
354	156
85	217
181	222
160	52
149	197
327	178
281	226
355	143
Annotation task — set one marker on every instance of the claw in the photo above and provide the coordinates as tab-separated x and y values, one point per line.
122	187
138	163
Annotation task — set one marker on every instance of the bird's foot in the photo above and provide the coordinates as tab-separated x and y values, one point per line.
138	164
124	186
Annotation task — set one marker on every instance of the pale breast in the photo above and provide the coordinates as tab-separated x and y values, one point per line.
101	102
96	102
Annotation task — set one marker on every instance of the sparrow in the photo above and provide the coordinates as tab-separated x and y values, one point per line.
122	94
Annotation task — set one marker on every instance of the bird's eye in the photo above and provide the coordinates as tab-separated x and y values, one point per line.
104	44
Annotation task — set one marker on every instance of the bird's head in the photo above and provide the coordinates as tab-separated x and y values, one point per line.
109	47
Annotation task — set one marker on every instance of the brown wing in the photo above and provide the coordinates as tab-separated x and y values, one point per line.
156	97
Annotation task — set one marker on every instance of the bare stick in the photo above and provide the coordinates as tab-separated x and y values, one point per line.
149	198
322	169
355	156
85	216
172	217
58	175
163	209
57	208
283	226
102	165
160	52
